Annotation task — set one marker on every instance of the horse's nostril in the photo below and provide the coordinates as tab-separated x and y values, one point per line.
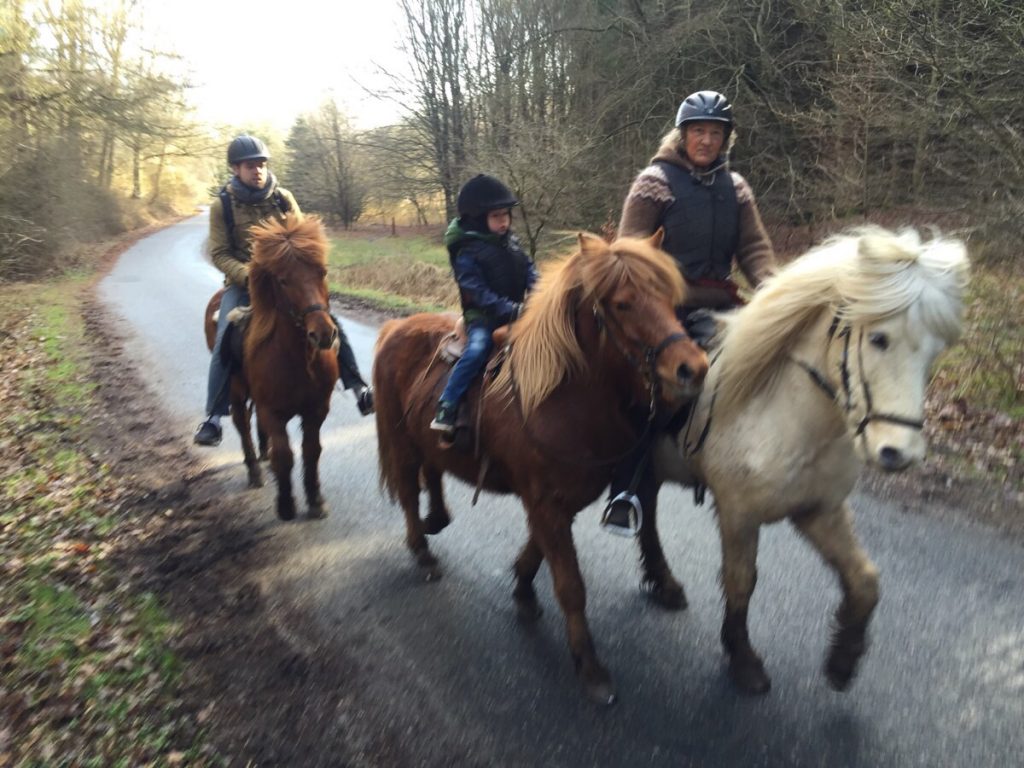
684	373
891	458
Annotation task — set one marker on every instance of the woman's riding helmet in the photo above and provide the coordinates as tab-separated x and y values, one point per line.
482	194
244	148
705	105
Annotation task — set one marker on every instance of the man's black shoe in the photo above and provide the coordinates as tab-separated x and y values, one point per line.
208	434
364	400
444	421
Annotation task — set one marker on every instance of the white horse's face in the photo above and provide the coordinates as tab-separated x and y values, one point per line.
889	364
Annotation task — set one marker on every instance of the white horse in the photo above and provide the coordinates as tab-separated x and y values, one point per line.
825	368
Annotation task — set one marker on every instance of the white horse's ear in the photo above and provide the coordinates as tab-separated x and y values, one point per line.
590	244
657	238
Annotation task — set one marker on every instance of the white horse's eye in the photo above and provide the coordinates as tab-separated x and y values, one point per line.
879	339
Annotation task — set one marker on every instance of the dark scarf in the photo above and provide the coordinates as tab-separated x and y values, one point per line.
248	195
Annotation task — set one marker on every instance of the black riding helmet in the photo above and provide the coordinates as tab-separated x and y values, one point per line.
705	105
483	194
244	148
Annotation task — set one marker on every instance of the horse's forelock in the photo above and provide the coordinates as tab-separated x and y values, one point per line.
895	273
275	244
633	261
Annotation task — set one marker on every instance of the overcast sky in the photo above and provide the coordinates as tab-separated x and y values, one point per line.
266	61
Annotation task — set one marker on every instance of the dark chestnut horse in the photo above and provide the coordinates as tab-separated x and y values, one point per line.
598	336
290	362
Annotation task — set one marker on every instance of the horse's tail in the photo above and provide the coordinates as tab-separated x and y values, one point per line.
388	407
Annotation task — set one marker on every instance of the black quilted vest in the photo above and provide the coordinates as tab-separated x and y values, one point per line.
702	225
505	267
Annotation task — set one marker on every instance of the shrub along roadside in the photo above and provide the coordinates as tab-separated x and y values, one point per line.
87	677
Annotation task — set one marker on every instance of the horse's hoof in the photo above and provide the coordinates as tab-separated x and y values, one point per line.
317	512
671	597
601	692
528	609
434	524
431	568
255	480
286	510
750	677
840	669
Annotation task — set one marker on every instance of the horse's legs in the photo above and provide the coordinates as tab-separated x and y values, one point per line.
658	581
240	418
739	575
281	461
311	449
524	570
551	528
438	517
408	488
261	437
831	533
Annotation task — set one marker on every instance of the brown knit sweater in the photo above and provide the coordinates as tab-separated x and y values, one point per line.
650	196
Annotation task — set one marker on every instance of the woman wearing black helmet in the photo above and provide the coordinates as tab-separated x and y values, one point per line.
708	212
494	276
251	196
710	221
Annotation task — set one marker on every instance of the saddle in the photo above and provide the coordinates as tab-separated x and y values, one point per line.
234	334
454	344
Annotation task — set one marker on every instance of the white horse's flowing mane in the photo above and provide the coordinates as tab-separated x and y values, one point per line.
864	275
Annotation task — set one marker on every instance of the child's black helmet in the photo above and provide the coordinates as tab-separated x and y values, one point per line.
481	194
705	105
244	148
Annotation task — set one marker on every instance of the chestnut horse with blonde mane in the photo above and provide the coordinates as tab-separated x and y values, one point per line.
289	352
598	336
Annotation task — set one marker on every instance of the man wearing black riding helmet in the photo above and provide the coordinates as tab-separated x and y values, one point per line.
251	196
711	222
494	276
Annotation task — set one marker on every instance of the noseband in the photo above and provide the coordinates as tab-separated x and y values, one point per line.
649	359
300	317
844	370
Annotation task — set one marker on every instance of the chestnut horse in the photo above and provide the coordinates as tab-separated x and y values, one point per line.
824	369
598	336
289	352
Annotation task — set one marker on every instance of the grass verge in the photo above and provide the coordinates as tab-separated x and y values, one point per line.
87	675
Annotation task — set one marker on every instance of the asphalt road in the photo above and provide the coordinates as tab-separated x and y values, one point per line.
446	667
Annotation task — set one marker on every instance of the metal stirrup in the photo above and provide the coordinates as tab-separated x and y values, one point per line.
634	516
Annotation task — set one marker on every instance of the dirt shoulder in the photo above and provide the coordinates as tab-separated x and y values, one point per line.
198	545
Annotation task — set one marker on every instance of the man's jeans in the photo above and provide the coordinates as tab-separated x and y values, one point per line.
478	347
218	392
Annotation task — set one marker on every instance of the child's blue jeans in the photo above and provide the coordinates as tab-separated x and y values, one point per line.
478	347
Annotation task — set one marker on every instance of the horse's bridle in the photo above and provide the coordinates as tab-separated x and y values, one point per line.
822	382
646	365
649	360
299	318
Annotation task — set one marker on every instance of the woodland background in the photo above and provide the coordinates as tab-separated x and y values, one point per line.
887	111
